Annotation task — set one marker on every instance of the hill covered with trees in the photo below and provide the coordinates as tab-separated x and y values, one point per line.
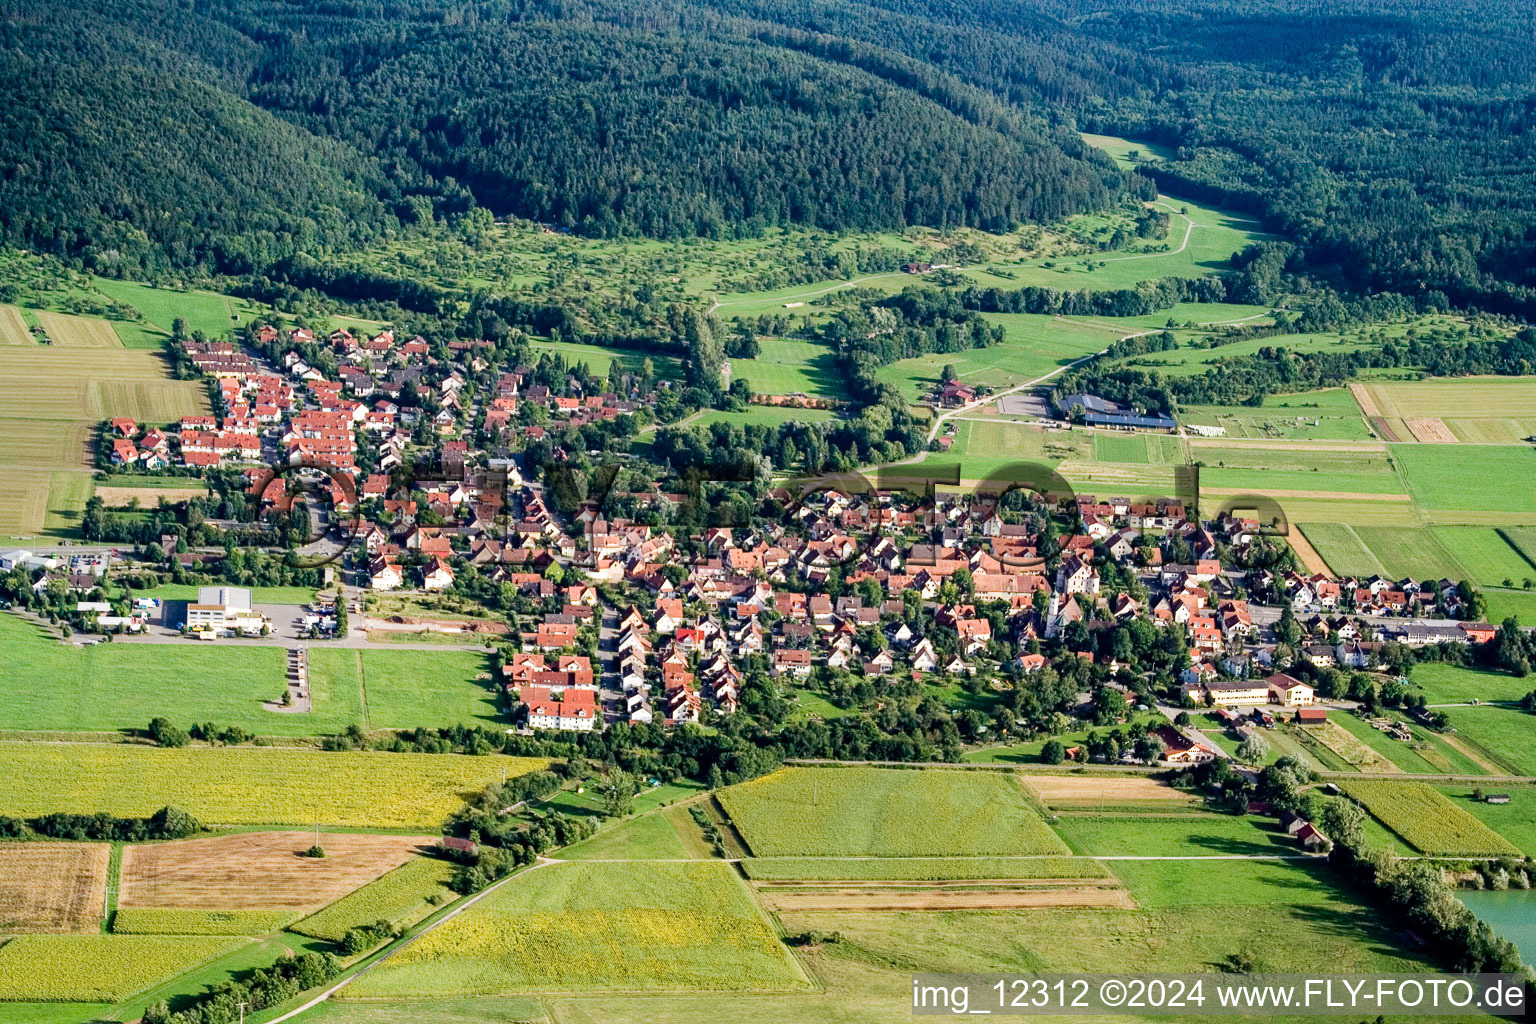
1390	139
232	136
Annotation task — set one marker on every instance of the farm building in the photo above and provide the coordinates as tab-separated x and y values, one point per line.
1311	716
1100	412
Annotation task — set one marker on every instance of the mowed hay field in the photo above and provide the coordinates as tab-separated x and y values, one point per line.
67	331
1014	894
52	887
1473	410
46	383
98	968
585	927
51	399
1427	820
259	870
1067	792
247	785
784	366
13	329
1479	554
880	812
1480	478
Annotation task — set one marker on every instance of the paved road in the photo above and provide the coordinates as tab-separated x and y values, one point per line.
609	692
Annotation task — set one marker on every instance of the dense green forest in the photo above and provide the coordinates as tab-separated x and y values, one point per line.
1391	140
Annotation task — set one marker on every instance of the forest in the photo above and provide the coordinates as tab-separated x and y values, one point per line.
1390	141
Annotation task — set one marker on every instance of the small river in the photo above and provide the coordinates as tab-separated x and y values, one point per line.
1512	914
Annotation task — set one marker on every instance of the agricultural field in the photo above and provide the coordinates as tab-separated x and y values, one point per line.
646	837
51	400
1427	820
1096	791
1298	468
52	887
1195	356
1391	551
784	366
599	360
1291	917
1128	152
65	331
1350	748
1515	821
1473	410
1171	835
1328	415
1034	344
259	870
1522	539
1502	604
406	689
849	812
191	921
918	869
247	785
1151	449
1452	684
1477	478
123	685
590	927
763	415
401	897
1157	885
947	896
1428	753
13	328
1501	736
1486	556
1200	239
985	442
213	314
98	968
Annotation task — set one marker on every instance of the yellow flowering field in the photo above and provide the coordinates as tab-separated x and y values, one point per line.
887	812
246	785
403	896
98	968
1428	820
590	926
